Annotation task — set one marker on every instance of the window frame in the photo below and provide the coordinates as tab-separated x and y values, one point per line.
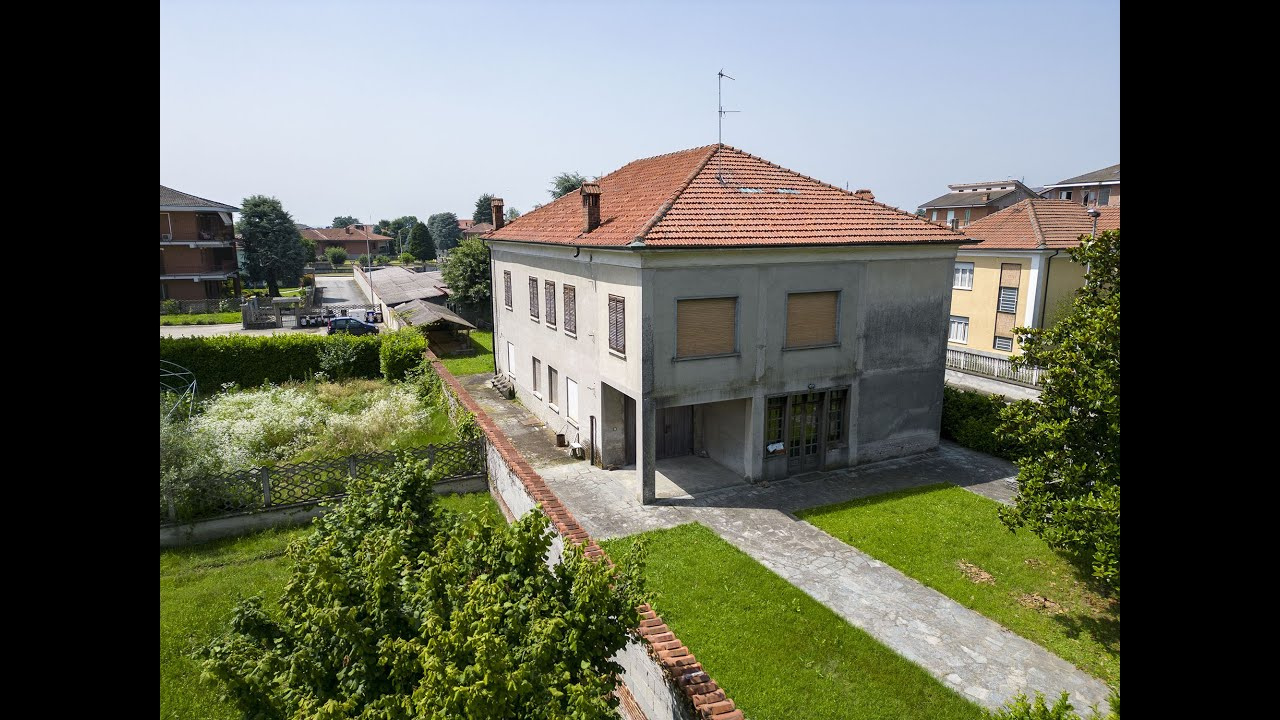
535	299
1104	196
955	271
737	325
537	377
506	286
553	377
549	298
995	344
622	332
1000	300
962	319
786	313
571	408
570	309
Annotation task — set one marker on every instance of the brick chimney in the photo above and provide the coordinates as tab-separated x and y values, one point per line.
347	229
986	197
865	194
590	206
495	206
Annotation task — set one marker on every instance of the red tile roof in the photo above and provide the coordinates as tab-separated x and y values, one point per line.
719	196
357	233
1038	224
464	223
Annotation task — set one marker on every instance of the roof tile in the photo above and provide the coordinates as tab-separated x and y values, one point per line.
1038	224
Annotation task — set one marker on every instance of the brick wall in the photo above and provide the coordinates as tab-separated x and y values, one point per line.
662	677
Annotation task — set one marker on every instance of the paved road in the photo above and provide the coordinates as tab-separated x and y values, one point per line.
341	291
208	330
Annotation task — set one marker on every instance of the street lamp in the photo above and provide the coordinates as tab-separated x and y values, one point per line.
1094	213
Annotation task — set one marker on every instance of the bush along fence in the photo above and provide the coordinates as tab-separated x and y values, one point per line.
661	676
249	360
996	367
182	307
971	418
307	483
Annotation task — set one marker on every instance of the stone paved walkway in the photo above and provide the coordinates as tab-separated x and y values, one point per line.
970	653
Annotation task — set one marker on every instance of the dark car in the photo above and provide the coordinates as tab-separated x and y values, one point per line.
351	325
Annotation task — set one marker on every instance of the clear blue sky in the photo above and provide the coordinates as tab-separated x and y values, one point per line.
382	109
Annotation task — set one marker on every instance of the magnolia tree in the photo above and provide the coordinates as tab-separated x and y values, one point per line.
397	608
1069	441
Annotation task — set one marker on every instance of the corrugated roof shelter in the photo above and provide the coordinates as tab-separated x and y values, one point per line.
421	313
396	285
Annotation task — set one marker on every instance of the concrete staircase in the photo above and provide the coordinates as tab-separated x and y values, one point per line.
502	383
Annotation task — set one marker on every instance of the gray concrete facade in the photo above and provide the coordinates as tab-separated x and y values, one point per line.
889	354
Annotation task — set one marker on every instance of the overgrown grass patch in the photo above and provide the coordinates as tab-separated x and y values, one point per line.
200	586
221	318
480	362
777	652
953	541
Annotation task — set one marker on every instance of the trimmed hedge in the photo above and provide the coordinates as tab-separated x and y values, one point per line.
250	360
401	351
971	418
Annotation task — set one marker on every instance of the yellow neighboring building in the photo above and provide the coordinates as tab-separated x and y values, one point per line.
1017	275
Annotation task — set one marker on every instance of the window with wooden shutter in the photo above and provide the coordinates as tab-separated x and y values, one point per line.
811	319
706	326
533	298
570	309
506	288
549	293
617	324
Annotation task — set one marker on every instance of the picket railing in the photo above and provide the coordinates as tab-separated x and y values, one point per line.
996	367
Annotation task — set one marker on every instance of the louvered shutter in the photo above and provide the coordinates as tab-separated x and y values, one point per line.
811	318
549	292
533	297
1008	300
506	287
706	326
617	324
570	309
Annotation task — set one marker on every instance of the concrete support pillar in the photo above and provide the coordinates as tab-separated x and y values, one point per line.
753	431
647	449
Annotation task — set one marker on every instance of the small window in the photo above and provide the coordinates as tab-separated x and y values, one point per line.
811	319
935	216
533	298
959	330
1064	194
1008	300
968	213
570	309
617	324
571	399
773	422
951	215
835	416
963	277
550	295
1104	196
552	381
537	375
511	360
1004	343
506	288
706	326
1089	198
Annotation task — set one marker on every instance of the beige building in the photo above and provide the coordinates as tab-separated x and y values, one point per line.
1100	188
1019	274
970	202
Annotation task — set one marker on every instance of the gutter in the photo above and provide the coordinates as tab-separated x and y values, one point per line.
1044	296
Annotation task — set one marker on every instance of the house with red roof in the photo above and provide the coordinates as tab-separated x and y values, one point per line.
709	306
197	247
1017	273
356	239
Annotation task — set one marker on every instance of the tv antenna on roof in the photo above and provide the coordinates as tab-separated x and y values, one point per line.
720	120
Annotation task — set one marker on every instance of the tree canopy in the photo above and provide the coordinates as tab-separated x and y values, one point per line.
1069	462
512	214
467	272
273	247
484	210
344	220
398	230
444	230
565	183
398	608
421	244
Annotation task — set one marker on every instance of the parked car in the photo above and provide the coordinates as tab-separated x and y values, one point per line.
350	325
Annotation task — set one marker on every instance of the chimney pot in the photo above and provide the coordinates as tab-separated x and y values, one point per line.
591	206
986	197
495	206
865	194
347	229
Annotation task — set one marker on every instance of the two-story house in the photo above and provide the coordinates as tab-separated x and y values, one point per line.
1100	188
197	247
1017	273
357	239
968	202
709	302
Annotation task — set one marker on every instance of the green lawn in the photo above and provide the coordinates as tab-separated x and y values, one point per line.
952	540
199	587
481	362
200	318
778	653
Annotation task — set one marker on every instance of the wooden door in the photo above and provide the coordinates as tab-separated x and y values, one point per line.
804	432
674	430
629	428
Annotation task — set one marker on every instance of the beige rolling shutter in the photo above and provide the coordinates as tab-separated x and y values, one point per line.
811	318
1010	273
706	326
1005	323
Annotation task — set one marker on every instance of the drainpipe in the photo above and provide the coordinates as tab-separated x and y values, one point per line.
493	309
1044	296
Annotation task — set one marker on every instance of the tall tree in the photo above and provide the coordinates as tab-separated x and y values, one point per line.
444	230
421	244
344	220
467	272
1069	464
398	229
512	214
484	210
565	183
273	248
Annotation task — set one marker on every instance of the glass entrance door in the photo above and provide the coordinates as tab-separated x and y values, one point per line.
804	436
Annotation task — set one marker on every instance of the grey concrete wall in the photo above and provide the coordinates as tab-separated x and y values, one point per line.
504	482
725	429
657	696
903	358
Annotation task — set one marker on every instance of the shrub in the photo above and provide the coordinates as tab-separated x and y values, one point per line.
1021	708
381	260
250	360
336	255
363	260
396	608
188	476
401	351
971	418
406	258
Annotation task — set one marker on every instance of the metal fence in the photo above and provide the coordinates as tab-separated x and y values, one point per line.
996	367
216	305
305	483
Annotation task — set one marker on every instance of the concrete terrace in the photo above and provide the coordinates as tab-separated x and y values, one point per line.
963	649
